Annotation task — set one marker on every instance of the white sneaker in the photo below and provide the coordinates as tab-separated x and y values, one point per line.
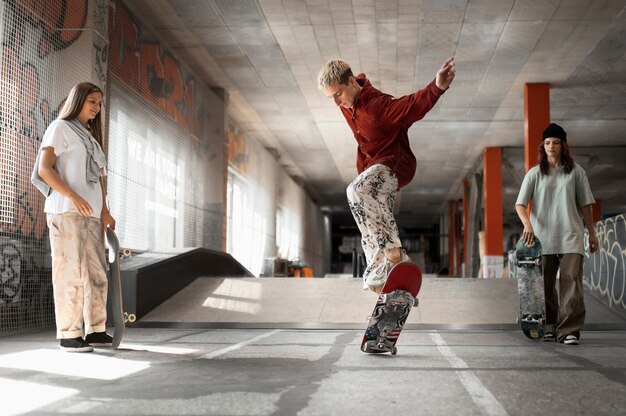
374	282
403	259
571	340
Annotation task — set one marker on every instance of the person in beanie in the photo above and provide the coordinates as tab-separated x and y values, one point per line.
562	198
385	162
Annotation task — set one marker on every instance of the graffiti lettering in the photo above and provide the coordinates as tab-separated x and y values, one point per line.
237	156
10	282
24	113
605	270
156	75
56	20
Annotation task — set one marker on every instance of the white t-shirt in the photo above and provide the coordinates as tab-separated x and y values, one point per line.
71	164
556	214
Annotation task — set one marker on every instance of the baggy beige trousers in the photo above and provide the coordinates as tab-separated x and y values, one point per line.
79	278
565	310
371	198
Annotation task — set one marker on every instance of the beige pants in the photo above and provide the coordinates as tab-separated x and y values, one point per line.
565	310
78	274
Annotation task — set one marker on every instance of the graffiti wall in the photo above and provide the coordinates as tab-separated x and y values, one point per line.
604	271
165	144
46	47
164	139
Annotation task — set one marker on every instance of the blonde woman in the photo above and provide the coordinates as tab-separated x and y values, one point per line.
72	164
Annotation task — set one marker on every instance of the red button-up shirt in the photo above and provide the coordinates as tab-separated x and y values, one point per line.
380	124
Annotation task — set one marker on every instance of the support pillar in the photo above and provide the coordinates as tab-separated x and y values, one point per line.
457	236
494	260
465	229
536	119
474	219
451	235
597	210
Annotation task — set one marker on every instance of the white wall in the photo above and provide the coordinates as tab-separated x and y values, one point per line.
269	215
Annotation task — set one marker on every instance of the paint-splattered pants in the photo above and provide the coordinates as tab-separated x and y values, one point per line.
565	310
371	197
78	274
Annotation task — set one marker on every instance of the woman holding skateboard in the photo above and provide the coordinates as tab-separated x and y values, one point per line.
70	169
561	197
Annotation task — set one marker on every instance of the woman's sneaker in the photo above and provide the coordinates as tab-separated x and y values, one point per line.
549	337
75	345
571	339
99	339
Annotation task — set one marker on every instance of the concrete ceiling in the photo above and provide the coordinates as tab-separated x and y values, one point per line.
267	53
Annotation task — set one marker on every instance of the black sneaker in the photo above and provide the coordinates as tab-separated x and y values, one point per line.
75	345
99	339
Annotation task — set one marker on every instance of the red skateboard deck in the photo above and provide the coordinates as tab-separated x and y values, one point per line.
392	309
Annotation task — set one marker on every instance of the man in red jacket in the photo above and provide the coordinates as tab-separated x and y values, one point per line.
385	162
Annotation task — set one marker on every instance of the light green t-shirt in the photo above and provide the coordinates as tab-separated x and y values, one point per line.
556	213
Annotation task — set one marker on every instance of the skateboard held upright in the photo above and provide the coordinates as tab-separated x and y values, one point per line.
115	287
529	272
392	309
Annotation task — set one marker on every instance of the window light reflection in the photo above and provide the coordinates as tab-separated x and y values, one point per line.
89	365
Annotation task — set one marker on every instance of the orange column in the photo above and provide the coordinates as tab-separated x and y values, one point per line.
493	261
597	210
536	119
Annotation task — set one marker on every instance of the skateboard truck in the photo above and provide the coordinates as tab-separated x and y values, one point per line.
536	262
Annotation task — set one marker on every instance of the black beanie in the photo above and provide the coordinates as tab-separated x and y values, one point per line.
554	130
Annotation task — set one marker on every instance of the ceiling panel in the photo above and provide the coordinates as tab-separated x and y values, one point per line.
267	54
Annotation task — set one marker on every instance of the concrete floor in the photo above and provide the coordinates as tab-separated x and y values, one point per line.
291	347
314	372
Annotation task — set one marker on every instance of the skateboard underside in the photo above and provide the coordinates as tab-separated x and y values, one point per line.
390	314
115	288
532	313
529	273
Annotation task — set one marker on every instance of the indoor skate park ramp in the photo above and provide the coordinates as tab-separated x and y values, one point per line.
149	279
341	303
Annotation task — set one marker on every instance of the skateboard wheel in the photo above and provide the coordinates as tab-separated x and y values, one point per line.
126	252
132	317
538	262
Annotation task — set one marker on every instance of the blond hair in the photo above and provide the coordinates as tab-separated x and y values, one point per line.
335	71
